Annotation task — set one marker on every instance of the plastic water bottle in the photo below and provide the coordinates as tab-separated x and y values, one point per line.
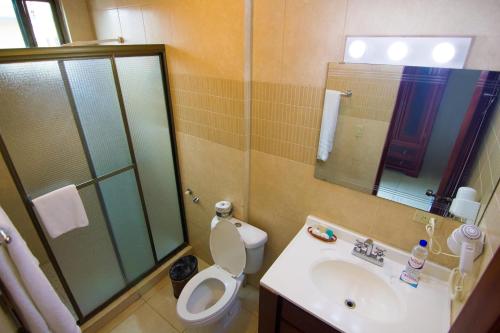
413	269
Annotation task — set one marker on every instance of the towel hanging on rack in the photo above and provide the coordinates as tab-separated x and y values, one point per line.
331	107
61	211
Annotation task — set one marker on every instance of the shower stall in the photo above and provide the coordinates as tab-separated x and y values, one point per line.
98	117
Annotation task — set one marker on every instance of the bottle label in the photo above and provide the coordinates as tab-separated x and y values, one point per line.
409	278
412	270
416	263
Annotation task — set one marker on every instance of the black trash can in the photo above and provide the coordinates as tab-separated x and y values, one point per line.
181	272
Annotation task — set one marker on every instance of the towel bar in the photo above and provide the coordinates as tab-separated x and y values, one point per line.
347	93
4	237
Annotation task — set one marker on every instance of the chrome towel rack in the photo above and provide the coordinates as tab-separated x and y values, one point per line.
4	238
346	93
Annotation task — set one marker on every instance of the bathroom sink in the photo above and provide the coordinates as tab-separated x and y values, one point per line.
353	295
357	289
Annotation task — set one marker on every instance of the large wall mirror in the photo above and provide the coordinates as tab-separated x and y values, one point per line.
414	135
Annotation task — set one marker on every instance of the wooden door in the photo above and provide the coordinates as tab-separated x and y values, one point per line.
419	96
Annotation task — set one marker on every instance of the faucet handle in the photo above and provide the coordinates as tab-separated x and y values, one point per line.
359	243
380	252
360	246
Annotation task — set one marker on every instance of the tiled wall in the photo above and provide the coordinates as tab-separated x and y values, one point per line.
486	171
362	124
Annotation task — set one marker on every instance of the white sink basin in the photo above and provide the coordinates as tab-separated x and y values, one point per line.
357	289
319	277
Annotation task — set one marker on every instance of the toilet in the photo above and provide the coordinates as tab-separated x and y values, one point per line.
209	299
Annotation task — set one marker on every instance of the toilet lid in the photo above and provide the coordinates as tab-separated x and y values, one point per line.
227	248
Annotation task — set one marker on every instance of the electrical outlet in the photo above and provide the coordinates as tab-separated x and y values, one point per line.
422	217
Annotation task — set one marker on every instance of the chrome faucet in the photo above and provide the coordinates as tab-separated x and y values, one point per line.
366	250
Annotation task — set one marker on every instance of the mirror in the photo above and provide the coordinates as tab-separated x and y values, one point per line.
413	135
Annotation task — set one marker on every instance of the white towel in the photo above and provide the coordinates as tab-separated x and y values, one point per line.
328	123
41	309
61	211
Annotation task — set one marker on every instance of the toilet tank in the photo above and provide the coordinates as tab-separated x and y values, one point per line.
254	240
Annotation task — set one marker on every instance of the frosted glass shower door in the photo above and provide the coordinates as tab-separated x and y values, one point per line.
41	136
98	112
95	117
143	94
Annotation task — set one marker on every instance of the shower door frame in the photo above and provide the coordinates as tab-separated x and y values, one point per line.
105	52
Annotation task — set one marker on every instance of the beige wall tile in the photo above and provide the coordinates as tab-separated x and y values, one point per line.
267	30
107	23
132	25
312	37
214	172
158	23
77	15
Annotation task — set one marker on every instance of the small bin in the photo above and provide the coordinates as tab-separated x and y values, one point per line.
181	272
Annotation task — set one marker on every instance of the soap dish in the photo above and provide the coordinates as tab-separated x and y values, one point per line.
326	240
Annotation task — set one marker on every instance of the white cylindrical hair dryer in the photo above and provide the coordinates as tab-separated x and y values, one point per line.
467	242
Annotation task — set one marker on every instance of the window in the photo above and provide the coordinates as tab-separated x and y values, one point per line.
30	23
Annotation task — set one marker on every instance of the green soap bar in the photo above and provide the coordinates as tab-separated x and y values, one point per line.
329	233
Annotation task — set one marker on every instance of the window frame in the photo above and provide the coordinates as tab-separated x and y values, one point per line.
24	21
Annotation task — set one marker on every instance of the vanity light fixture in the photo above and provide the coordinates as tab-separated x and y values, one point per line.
397	51
357	49
443	52
449	52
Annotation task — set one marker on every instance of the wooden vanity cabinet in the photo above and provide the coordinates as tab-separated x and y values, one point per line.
277	315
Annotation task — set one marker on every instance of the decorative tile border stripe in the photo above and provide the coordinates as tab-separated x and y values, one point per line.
210	108
286	120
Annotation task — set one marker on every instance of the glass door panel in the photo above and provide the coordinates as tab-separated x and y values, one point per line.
87	257
38	127
124	209
143	94
98	110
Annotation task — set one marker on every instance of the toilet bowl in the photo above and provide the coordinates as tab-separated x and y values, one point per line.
210	299
208	296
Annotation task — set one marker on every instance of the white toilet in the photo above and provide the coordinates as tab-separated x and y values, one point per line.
210	299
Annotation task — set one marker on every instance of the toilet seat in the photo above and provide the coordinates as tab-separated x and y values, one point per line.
199	281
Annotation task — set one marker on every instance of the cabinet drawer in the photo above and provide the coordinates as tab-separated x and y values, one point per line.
401	163
286	327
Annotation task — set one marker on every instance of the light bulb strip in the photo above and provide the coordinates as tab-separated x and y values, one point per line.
449	52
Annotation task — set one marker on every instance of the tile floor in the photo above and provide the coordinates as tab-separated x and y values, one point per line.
155	312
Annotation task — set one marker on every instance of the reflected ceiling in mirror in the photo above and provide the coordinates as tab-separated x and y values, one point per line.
413	135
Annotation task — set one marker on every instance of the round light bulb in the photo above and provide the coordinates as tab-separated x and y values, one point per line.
397	51
357	48
443	52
